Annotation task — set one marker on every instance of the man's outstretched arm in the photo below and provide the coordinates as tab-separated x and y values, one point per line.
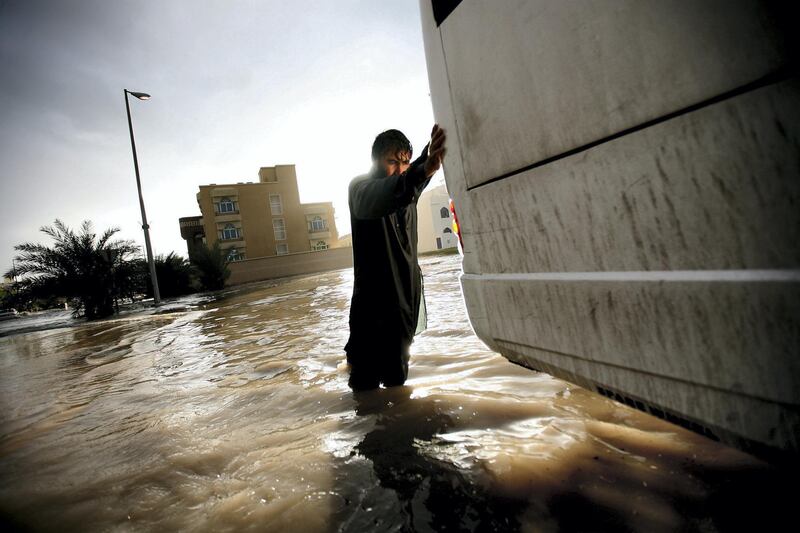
431	157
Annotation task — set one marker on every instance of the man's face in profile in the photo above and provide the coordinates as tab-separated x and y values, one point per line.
395	164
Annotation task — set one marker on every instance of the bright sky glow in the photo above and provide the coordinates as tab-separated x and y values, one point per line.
235	85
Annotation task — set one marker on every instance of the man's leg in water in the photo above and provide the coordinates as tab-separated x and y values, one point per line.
394	368
364	373
363	377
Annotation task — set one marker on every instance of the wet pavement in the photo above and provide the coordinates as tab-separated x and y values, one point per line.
231	412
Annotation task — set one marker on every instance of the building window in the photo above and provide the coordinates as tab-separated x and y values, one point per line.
447	230
320	245
226	205
282	248
235	255
444	212
279	228
275	205
230	232
318	224
438	243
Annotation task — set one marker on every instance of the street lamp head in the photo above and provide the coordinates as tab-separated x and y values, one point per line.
140	96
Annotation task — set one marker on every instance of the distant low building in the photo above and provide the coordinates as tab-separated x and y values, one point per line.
434	221
346	240
263	219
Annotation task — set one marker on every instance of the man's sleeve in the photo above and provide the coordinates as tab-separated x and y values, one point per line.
376	198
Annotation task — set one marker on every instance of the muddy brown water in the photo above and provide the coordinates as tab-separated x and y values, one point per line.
232	413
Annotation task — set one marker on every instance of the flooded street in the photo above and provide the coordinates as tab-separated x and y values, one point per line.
233	414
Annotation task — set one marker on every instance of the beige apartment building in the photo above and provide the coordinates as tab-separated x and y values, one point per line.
253	220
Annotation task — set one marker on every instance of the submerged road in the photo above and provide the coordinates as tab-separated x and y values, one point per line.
232	413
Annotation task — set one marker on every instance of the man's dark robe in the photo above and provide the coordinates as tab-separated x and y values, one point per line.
387	288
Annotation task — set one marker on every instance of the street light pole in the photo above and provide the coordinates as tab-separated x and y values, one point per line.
145	226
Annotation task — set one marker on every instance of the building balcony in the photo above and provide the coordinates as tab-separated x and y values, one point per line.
191	226
319	234
227	217
232	243
188	222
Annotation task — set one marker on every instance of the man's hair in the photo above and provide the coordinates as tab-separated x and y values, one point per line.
390	141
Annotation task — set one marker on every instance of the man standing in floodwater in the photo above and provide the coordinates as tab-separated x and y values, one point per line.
387	307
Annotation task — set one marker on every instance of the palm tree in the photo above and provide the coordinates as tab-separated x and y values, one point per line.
211	264
79	266
174	275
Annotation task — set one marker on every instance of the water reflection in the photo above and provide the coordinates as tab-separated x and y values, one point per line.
233	413
428	494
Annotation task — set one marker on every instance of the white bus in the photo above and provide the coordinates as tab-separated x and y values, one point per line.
626	175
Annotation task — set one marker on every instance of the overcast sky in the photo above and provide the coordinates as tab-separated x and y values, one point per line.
235	85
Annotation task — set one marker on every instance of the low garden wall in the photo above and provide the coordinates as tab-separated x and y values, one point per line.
280	266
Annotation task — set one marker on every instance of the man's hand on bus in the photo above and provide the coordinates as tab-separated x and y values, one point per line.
435	151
